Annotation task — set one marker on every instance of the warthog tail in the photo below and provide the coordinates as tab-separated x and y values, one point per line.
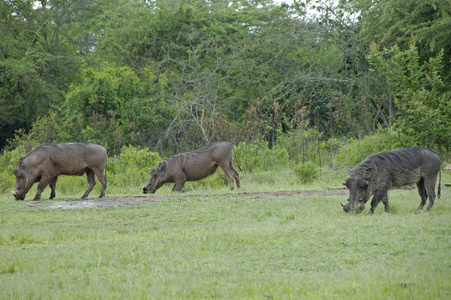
105	172
237	162
439	184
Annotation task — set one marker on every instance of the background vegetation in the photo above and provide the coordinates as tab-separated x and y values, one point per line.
172	76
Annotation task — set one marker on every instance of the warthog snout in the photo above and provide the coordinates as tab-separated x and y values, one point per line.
147	190
16	195
348	208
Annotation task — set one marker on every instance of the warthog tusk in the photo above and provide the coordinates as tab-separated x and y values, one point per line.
341	204
14	193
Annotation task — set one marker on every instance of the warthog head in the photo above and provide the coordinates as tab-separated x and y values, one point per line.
23	181
359	192
157	178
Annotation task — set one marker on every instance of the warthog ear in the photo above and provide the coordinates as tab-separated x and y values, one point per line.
349	171
20	163
161	166
362	184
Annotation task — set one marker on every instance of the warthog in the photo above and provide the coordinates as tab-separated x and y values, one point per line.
390	169
192	166
45	163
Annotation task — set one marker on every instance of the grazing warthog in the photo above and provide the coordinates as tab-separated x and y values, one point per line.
390	169
192	166
45	163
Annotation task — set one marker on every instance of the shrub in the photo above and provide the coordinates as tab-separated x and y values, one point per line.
417	88
8	162
132	167
302	143
355	150
142	160
257	156
306	172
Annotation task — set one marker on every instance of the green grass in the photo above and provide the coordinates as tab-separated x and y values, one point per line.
221	246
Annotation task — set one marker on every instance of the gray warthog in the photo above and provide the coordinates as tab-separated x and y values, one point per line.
390	169
45	163
192	166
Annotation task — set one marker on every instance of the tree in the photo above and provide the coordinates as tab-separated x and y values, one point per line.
38	60
393	22
423	113
203	59
107	106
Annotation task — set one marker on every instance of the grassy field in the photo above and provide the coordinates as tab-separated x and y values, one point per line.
221	246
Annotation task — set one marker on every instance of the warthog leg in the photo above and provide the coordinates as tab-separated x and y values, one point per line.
385	202
100	173
429	185
380	195
179	182
43	182
91	182
52	185
231	173
237	177
235	174
422	192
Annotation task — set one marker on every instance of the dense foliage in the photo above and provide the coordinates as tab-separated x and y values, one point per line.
172	76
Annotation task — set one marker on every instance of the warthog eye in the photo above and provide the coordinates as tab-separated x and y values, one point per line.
362	184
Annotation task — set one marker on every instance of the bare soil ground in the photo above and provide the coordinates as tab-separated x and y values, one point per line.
138	200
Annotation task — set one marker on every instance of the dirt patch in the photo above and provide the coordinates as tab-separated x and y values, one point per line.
138	200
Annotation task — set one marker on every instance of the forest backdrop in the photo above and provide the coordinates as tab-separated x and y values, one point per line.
172	76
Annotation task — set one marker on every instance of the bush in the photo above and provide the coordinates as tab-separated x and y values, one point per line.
257	156
306	172
8	162
302	144
355	150
142	160
132	167
418	90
